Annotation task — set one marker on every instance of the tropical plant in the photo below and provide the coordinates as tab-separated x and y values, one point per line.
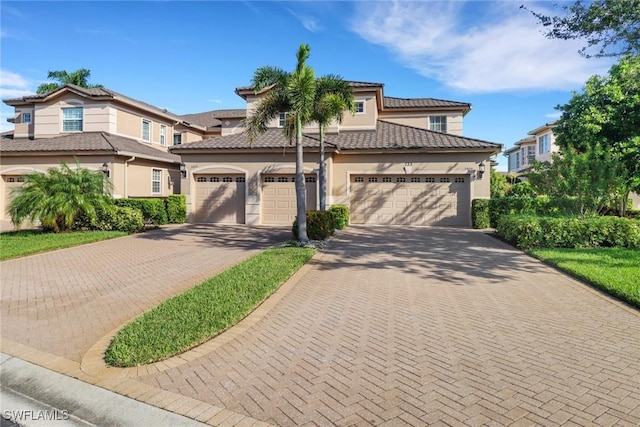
498	184
611	25
334	96
292	93
79	78
59	196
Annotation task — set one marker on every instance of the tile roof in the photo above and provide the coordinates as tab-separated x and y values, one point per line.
352	83
211	118
391	102
387	136
84	142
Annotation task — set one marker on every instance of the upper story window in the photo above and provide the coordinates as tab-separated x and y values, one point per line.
146	130
26	117
516	160
177	138
544	144
438	123
359	107
282	119
531	153
72	119
163	135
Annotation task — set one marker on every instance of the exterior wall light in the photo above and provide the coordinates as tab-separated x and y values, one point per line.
481	169
105	169
183	170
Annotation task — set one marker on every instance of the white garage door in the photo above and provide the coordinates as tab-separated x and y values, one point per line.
220	198
10	182
410	199
279	198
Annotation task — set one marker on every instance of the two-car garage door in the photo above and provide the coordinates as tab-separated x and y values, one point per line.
410	199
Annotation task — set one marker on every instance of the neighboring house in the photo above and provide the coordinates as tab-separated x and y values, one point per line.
126	139
395	161
539	146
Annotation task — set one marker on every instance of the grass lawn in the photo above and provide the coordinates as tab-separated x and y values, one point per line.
27	242
614	270
197	315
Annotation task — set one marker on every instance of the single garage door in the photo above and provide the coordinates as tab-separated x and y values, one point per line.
410	199
279	198
220	198
10	182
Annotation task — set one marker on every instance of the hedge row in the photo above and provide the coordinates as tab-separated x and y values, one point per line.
322	224
485	213
526	231
158	211
113	218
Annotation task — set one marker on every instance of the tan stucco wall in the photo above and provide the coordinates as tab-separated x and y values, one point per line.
21	129
97	116
366	120
231	126
130	125
421	120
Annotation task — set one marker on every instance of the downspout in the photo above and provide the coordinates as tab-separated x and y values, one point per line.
126	182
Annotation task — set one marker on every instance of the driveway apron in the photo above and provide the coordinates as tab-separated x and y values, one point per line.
62	302
427	326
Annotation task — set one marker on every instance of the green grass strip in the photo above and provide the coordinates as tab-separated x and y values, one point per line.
202	312
20	243
613	270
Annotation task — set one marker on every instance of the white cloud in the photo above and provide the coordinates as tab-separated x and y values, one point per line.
13	85
475	47
308	22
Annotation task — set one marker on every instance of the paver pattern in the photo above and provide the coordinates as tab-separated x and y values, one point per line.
427	326
63	302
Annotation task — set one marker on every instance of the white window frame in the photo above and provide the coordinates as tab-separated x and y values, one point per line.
163	134
282	119
517	160
531	153
357	103
26	117
544	143
73	120
436	125
156	181
142	130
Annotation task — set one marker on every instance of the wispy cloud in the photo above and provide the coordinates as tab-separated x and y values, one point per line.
308	22
475	47
13	85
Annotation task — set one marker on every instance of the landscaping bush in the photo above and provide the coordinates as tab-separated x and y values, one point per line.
521	189
112	218
569	232
541	206
480	213
176	206
340	215
153	209
320	225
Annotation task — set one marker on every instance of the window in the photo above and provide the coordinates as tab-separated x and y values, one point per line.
445	180
163	135
214	179
415	179
401	179
240	179
429	179
459	179
177	138
26	117
202	179
359	107
72	119
282	119
438	123
373	179
156	177
227	179
359	179
387	179
269	179
531	153
516	160
309	179
544	143
146	130
283	179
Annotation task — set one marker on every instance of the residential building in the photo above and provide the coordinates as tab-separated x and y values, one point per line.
539	145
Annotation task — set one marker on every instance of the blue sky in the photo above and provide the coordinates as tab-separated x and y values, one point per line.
188	57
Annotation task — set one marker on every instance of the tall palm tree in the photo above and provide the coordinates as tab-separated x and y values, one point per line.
334	96
293	93
79	78
59	196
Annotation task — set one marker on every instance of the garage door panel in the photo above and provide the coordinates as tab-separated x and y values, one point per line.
10	183
414	199
220	199
279	206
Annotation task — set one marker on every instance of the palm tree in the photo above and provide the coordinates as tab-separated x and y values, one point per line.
293	93
59	196
79	78
333	97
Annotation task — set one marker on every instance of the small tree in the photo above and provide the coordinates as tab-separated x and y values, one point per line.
79	78
59	196
498	184
592	178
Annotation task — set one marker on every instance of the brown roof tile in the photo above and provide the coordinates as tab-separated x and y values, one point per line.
212	118
391	102
272	138
84	142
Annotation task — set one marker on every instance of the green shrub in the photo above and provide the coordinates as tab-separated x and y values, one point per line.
153	209
523	205
112	218
340	215
569	232
320	225
176	206
521	189
480	213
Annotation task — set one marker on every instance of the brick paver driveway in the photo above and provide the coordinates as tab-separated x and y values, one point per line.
62	302
427	326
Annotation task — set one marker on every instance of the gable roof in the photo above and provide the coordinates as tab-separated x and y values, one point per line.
392	102
85	142
387	136
212	118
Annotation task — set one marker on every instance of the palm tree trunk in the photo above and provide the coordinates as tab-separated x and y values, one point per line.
322	173
301	189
